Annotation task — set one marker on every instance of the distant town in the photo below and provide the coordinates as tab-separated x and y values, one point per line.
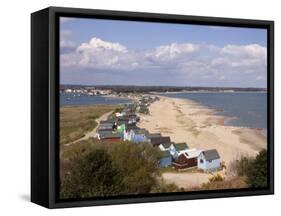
119	89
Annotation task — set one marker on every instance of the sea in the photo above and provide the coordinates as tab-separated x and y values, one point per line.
74	99
244	109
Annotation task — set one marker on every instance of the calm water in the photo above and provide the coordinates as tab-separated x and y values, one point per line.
244	109
70	99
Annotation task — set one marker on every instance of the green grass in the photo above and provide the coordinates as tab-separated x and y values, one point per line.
75	121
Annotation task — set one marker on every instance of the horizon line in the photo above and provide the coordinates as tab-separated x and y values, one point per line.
160	86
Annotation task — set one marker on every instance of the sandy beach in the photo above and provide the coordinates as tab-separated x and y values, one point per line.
187	121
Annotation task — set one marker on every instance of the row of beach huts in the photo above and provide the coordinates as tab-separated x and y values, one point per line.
123	127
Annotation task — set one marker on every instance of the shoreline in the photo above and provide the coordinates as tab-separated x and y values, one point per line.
231	92
230	118
185	120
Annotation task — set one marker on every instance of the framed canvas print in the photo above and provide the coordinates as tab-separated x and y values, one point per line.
138	107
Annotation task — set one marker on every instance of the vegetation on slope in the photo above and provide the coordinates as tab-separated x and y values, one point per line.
76	121
93	168
255	170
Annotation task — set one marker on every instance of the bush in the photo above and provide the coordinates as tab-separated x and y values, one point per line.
138	164
257	174
216	178
244	166
90	176
107	170
234	183
255	169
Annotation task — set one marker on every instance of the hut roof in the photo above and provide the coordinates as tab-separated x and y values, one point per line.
111	135
211	154
122	122
181	146
131	127
141	131
167	145
100	130
154	135
159	140
192	153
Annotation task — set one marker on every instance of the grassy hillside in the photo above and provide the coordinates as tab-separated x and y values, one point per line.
75	121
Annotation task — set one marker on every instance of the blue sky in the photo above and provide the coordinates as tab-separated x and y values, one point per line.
97	51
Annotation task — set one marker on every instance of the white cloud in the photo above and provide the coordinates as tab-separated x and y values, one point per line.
66	44
250	51
98	53
66	19
173	50
97	44
66	33
183	59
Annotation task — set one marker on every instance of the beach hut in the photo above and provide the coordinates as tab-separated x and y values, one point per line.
119	114
143	109
121	128
131	127
178	148
130	108
150	135
127	135
101	133
209	160
165	159
113	137
105	125
107	121
132	118
186	159
156	141
165	146
139	135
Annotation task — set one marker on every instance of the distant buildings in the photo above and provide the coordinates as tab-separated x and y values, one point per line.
89	91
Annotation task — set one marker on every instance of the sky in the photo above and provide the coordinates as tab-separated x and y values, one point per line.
112	52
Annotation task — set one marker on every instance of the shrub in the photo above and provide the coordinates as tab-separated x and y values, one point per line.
255	169
244	166
92	175
216	178
107	170
138	164
257	173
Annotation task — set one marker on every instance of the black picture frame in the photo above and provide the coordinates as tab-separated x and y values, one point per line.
45	105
